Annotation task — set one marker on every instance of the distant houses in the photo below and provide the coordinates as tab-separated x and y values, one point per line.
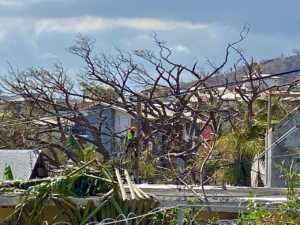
14	103
113	123
282	148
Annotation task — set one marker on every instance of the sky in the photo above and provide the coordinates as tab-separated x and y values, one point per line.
38	32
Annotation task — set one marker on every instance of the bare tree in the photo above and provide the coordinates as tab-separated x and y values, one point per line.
167	107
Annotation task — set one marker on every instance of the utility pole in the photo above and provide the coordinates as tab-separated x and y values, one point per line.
269	111
268	140
138	141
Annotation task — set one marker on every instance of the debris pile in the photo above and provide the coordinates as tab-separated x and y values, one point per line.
83	195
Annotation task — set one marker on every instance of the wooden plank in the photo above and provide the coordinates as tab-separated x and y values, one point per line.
137	192
142	192
129	184
122	189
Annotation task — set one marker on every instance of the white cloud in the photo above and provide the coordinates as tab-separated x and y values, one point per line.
43	1
10	3
156	24
10	26
22	3
182	49
90	24
68	25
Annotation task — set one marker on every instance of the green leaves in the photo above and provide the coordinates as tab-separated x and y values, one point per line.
72	143
87	180
241	144
8	175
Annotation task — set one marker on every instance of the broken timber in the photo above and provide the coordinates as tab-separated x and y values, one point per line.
124	196
134	190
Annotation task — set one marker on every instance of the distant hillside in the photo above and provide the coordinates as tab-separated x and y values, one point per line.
271	66
282	64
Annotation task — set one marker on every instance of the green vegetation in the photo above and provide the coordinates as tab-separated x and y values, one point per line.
286	213
91	179
240	144
8	174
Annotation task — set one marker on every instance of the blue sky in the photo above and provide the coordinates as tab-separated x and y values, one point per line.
37	32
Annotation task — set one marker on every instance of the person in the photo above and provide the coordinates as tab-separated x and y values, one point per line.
131	138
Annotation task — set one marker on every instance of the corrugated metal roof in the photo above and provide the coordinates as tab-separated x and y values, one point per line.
22	162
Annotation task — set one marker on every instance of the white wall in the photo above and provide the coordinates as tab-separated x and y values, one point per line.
122	121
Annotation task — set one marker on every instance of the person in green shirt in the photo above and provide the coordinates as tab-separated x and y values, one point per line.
131	138
130	135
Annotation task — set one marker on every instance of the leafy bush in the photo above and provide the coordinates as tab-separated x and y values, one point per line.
286	213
